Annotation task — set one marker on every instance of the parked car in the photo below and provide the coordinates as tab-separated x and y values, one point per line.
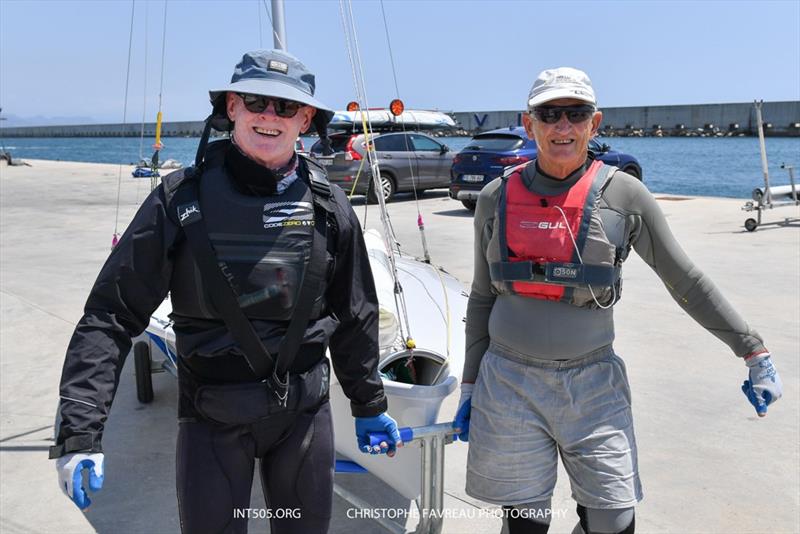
407	160
488	155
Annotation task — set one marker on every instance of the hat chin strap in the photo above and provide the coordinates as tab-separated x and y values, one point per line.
201	148
321	125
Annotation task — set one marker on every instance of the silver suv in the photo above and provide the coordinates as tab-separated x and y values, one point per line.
406	160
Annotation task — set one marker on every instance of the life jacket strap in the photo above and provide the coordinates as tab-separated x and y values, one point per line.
561	273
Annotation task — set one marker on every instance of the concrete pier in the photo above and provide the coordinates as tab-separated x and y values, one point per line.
708	464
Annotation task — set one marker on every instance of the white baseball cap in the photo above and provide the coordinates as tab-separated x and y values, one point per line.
563	82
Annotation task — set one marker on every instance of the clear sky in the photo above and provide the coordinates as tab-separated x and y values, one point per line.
67	59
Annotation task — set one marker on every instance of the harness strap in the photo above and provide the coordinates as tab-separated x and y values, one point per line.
561	273
312	286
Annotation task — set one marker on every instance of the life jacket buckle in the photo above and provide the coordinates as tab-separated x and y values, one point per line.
281	388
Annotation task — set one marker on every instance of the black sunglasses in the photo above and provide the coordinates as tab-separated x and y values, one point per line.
258	103
552	114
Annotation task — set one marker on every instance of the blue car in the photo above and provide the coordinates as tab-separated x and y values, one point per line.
488	154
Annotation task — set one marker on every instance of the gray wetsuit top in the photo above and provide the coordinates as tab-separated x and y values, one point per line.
540	329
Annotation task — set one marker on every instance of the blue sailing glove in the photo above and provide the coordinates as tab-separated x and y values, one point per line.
764	386
378	423
461	422
70	469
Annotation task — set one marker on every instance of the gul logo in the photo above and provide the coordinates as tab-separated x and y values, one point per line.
542	225
565	272
288	214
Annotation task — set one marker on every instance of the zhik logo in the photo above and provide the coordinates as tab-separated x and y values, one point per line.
184	212
288	214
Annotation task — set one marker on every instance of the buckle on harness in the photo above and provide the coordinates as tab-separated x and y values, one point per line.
281	388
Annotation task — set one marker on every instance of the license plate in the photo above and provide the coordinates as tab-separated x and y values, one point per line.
472	177
325	162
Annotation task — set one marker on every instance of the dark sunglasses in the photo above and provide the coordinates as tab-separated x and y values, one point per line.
552	114
258	103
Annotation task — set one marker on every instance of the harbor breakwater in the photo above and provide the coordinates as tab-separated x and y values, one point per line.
704	120
700	120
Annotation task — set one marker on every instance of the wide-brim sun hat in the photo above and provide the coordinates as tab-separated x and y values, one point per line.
270	73
562	82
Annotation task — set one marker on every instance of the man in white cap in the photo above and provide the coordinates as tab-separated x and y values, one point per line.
541	378
266	269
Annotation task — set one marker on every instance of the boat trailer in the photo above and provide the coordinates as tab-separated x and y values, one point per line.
432	439
769	197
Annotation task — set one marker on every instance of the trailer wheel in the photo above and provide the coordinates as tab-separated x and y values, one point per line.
144	378
750	225
469	204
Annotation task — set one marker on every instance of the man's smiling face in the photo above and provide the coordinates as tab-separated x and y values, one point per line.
266	137
561	147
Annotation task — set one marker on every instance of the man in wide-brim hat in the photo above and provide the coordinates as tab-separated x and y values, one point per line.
266	269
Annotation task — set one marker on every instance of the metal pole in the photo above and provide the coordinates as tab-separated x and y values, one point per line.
764	168
426	467
438	490
790	169
278	25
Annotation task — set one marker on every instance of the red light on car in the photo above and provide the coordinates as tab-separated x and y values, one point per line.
396	107
347	178
349	152
457	159
507	161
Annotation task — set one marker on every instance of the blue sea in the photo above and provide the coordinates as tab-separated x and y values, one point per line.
720	167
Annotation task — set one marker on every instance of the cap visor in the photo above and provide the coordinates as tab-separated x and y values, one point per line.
556	94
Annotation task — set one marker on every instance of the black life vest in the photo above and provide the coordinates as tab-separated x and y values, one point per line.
262	244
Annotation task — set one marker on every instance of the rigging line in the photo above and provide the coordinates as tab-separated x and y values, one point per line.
163	53
348	31
144	96
157	145
444	313
389	235
124	121
414	180
391	55
348	45
360	85
272	25
144	104
260	33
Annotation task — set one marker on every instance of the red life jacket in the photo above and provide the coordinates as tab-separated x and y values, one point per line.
543	239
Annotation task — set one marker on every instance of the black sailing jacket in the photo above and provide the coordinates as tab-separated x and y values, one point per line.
140	272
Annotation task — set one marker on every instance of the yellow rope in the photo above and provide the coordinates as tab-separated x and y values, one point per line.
355	182
368	142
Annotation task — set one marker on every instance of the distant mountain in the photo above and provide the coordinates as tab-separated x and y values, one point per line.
39	120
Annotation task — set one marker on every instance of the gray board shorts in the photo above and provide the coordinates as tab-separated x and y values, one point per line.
524	415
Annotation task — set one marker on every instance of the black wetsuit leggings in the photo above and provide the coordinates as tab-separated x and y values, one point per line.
215	468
